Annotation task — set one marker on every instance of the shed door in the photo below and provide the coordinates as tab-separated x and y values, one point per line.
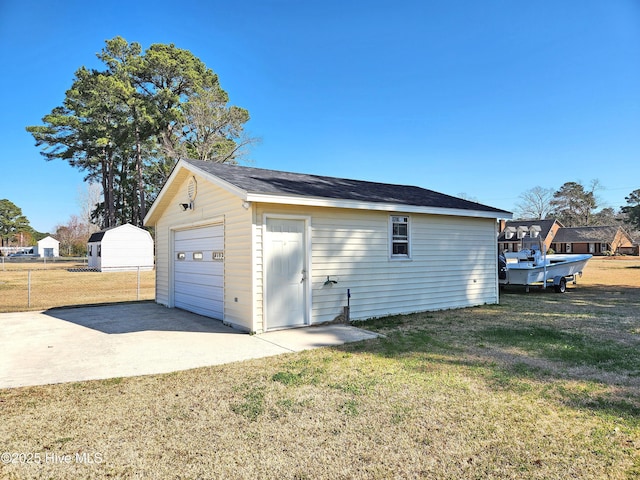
198	283
285	273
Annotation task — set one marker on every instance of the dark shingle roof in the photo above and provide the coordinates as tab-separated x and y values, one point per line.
272	182
545	226
585	234
96	237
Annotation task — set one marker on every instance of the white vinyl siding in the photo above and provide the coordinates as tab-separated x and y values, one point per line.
211	205
454	263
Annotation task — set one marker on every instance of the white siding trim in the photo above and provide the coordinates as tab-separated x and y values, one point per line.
376	206
400	258
199	224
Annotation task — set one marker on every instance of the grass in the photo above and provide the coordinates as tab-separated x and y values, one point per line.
56	284
542	386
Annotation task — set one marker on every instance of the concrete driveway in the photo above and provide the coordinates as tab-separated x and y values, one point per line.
89	343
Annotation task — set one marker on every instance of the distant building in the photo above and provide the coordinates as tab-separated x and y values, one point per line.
603	240
120	248
512	233
47	247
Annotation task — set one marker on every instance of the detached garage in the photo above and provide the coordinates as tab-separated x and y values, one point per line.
264	250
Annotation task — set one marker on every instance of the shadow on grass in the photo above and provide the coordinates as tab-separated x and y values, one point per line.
581	348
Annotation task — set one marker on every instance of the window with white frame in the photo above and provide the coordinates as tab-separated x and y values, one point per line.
400	237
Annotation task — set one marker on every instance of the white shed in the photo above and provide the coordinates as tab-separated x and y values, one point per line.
263	250
126	247
47	247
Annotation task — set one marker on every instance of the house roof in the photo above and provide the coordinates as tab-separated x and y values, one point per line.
586	234
98	236
262	185
545	227
48	237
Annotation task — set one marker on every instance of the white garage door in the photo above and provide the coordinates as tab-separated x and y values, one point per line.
199	270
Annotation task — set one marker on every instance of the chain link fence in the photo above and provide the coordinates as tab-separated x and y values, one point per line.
39	284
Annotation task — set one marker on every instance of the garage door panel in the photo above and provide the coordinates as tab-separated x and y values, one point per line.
200	268
199	294
211	238
200	232
194	245
199	284
194	279
194	305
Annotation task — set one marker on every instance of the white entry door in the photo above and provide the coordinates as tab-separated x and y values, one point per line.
286	275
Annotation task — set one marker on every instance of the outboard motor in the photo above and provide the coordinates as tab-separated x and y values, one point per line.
502	266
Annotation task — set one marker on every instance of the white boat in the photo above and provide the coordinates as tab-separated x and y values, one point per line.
531	266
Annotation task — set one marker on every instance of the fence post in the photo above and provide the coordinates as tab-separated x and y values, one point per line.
29	289
138	287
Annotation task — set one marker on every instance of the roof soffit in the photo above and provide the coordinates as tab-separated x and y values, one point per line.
377	206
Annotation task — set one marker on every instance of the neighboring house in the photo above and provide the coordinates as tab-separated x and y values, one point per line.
594	240
120	248
514	231
263	250
47	247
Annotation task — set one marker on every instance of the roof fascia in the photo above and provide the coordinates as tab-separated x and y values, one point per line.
160	198
379	206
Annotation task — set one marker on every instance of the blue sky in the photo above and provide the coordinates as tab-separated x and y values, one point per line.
485	99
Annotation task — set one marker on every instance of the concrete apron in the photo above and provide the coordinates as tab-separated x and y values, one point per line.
124	340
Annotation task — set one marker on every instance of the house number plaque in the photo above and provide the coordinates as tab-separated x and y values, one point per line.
218	256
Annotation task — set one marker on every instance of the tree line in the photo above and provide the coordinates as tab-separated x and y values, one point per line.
126	125
576	205
573	205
